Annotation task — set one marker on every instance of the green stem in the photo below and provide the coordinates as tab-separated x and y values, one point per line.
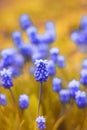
40	94
13	98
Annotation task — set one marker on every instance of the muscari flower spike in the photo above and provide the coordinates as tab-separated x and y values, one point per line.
41	122
41	71
50	34
51	68
64	96
36	56
6	78
17	38
79	37
73	86
3	100
81	99
43	50
32	35
16	71
61	61
57	84
23	101
54	54
83	77
25	21
8	56
26	50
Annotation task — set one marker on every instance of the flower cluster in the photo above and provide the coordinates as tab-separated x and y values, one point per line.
73	92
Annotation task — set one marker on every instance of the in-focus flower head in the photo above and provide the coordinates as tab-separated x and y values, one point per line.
41	122
83	77
51	68
57	84
84	64
25	21
64	96
61	61
3	100
73	86
81	99
23	101
6	78
41	71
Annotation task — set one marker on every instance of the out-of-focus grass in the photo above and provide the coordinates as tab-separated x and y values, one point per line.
66	14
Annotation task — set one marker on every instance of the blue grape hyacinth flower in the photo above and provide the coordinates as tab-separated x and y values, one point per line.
23	101
41	71
43	50
8	56
73	86
49	25
57	84
17	38
6	78
64	96
81	99
26	50
61	61
51	68
54	54
32	35
19	60
41	122
36	56
3	100
16	71
50	34
25	21
83	77
79	37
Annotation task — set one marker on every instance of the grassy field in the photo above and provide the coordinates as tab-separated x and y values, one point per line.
66	14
